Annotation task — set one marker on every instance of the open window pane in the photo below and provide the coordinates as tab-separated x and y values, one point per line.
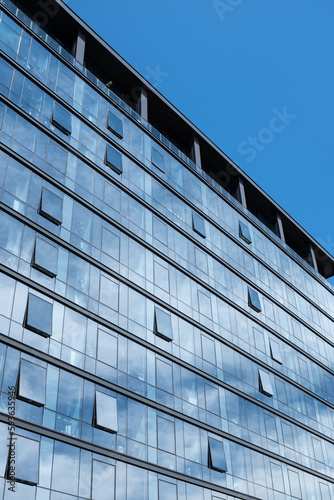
105	412
163	325
61	119
275	351
31	386
198	225
244	232
115	124
38	316
158	159
114	159
51	207
253	300
45	258
216	456
265	383
26	466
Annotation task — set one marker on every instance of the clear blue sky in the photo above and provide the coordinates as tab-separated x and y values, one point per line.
231	66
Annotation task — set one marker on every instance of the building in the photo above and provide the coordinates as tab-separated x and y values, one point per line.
166	329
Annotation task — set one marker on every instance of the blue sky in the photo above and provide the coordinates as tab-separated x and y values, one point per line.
232	66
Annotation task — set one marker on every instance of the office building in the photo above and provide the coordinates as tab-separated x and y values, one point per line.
166	329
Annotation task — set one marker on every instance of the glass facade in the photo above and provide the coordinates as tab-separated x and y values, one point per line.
156	341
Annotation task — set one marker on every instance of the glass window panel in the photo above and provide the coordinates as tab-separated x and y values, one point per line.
105	412
107	348
265	383
18	180
208	349
295	484
216	456
32	379
115	124
61	119
166	435
199	225
38	316
70	395
277	477
45	258
253	300
51	206
244	232
109	292
163	325
25	468
212	399
103	483
275	351
167	491
66	458
158	159
110	243
114	159
164	376
137	421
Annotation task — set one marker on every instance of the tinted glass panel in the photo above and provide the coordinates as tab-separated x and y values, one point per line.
39	315
106	412
253	300
244	233
114	159
51	207
158	159
45	258
275	351
115	124
167	491
216	456
163	325
32	383
198	225
265	384
26	467
103	483
61	119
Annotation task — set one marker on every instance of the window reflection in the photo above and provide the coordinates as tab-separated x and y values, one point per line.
45	257
61	119
32	379
103	481
51	206
105	412
25	466
38	316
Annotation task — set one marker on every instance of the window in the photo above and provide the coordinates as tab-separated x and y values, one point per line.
244	233
45	258
253	300
114	159
38	317
61	119
158	159
265	384
105	412
275	351
103	481
115	124
31	383
51	207
198	225
163	325
216	455
25	468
